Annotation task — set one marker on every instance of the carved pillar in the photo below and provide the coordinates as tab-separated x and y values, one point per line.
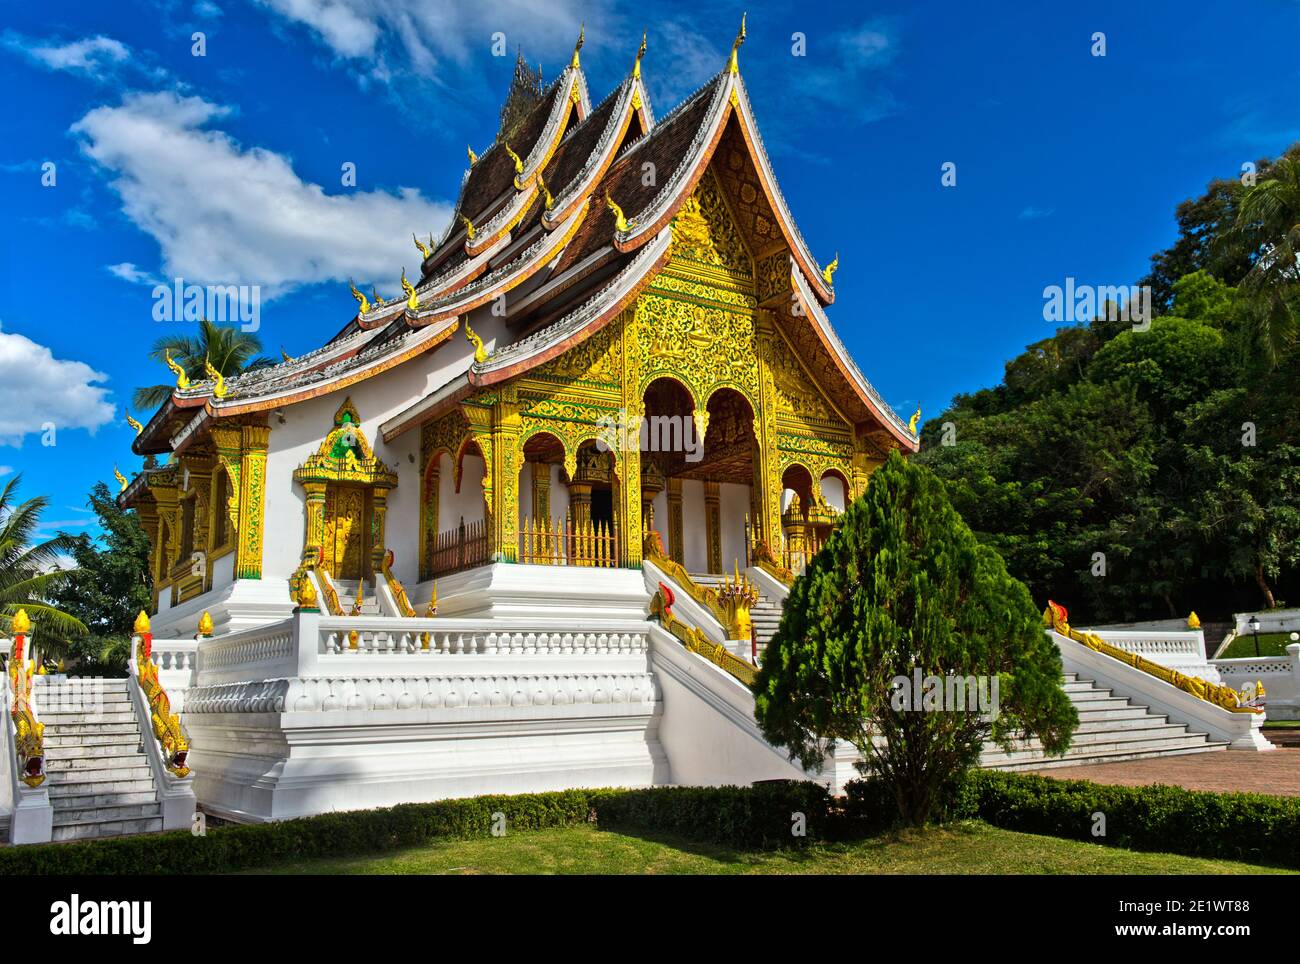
495	427
675	548
767	469
713	524
429	495
580	503
378	522
252	501
229	441
628	517
315	523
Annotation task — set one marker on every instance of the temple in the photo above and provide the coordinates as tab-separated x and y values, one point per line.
529	524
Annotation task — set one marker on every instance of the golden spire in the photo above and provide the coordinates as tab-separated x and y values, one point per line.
306	593
620	222
473	158
20	622
582	36
829	271
361	299
636	69
734	65
218	383
121	479
432	608
182	380
425	251
480	353
142	623
519	164
284	354
374	294
412	299
546	192
205	624
469	227
134	424
916	417
1193	620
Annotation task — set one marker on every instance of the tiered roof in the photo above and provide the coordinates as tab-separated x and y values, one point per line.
537	208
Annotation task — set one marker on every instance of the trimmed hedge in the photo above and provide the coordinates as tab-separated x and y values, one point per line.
742	817
1250	827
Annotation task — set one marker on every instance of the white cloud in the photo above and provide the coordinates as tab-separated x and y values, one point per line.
132	274
6	470
36	388
846	70
98	57
223	213
1032	213
427	33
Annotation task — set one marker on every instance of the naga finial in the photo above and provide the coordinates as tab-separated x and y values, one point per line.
142	623
582	36
1193	620
829	271
519	164
412	299
469	227
640	52
205	624
911	422
480	353
139	429
218	382
284	354
424	249
733	65
473	158
546	192
620	222
182	380
21	623
374	296
121	480
361	299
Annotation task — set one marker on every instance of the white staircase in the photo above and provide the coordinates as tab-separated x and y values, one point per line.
1111	728
98	776
347	590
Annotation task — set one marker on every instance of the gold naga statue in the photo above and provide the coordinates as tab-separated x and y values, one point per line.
166	724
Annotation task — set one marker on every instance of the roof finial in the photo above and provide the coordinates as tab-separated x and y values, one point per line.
911	422
582	36
636	70
361	299
480	353
473	158
218	382
182	379
469	227
829	271
134	424
546	192
121	479
734	65
620	222
412	299
424	250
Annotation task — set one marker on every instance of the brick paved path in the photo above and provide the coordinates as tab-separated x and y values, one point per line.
1277	772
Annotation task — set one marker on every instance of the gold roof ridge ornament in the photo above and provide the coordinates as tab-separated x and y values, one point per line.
473	158
620	222
480	353
139	429
546	192
182	380
361	299
911	422
469	227
121	480
828	272
640	52
412	299
582	37
424	249
733	65
218	382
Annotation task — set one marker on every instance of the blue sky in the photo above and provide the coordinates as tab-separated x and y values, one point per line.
226	168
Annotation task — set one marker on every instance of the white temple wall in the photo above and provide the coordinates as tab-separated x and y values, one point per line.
695	537
559	493
832	489
734	507
468	502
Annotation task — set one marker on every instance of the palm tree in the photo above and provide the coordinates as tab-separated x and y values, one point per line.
28	571
1269	214
229	349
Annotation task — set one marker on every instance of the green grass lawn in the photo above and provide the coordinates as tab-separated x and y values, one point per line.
967	848
1270	644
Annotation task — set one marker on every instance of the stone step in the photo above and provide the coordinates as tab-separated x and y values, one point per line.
55	763
107	828
128	811
86	788
129	746
1117	756
51	702
106	715
86	801
60	739
89	775
72	731
1087	741
1094	750
1116	713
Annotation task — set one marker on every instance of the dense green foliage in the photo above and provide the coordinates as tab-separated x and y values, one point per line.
32	571
1144	473
228	349
109	587
902	585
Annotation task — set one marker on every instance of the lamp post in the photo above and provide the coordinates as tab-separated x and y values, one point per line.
1254	628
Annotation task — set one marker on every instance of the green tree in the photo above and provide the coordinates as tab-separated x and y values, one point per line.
109	587
32	572
902	585
1269	216
229	349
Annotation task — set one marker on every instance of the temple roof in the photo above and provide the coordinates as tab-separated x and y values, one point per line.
573	215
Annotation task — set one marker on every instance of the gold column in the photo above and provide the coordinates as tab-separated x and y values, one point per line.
429	496
541	490
229	440
252	500
713	524
675	548
628	521
495	428
767	470
315	521
378	522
